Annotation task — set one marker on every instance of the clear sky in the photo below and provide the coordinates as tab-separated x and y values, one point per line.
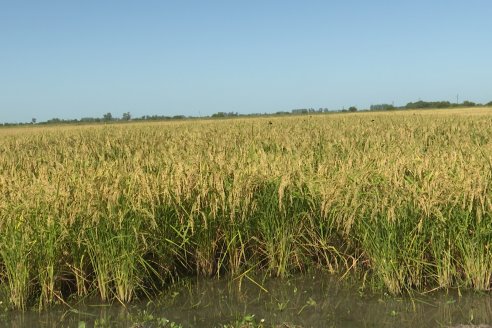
72	59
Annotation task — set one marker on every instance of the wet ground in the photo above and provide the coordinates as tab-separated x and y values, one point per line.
305	301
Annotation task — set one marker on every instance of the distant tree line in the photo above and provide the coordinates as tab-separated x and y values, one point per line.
224	114
382	107
308	110
428	105
108	117
159	118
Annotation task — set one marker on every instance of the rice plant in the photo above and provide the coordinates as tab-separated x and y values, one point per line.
120	210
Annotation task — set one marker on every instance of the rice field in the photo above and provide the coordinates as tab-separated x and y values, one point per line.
123	210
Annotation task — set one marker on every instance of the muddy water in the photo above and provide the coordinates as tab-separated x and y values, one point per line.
304	301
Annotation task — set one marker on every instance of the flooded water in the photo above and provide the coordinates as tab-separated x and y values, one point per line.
305	301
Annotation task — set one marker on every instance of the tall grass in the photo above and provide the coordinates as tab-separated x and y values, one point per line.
121	210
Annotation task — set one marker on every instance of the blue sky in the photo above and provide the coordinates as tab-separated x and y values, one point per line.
73	59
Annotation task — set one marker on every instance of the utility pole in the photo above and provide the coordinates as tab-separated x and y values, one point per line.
457	98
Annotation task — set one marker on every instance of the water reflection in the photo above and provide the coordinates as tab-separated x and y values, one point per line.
309	301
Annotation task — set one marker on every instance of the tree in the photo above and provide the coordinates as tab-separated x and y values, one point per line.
126	116
33	120
428	104
352	109
107	117
467	103
382	107
224	114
